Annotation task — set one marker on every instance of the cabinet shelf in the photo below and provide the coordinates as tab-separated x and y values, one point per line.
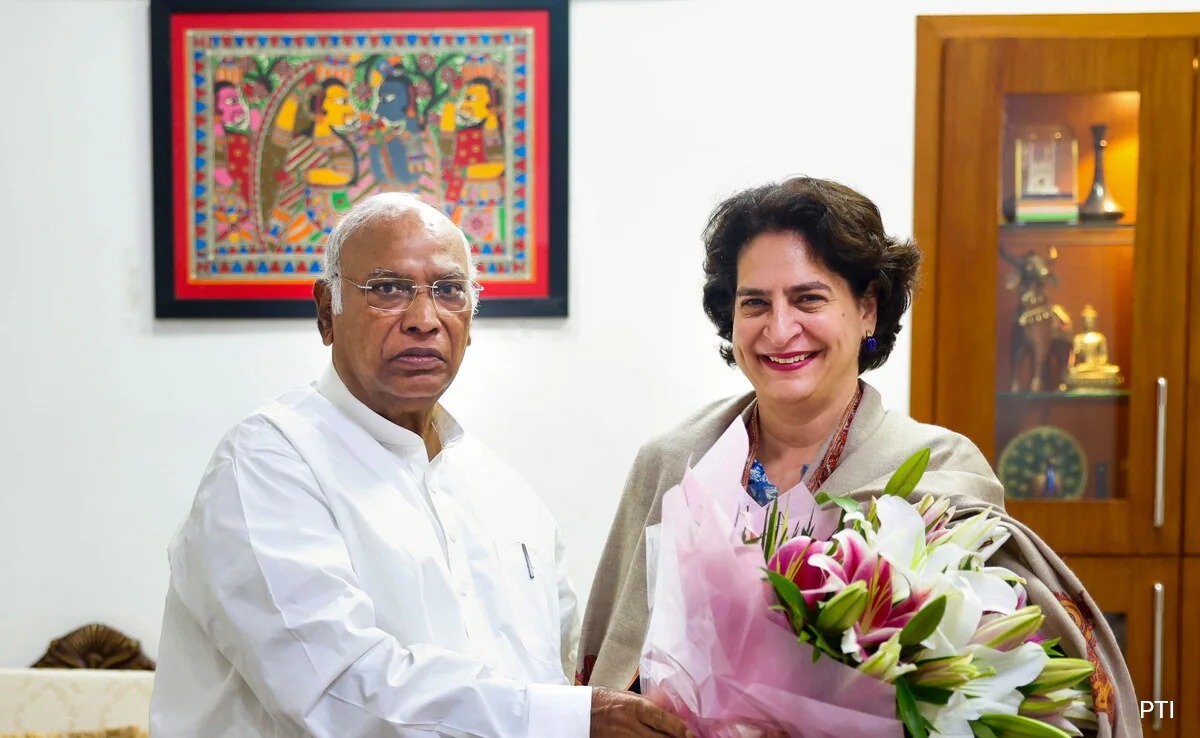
1073	395
1027	236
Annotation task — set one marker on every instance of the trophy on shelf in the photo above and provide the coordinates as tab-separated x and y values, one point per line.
1045	176
1088	369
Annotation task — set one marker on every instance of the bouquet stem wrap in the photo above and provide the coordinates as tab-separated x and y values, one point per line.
715	653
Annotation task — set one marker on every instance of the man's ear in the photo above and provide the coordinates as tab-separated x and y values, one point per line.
324	302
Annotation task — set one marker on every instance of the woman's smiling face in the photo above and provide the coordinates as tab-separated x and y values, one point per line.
797	326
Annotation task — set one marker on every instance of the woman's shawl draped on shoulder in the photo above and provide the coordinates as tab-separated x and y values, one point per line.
615	623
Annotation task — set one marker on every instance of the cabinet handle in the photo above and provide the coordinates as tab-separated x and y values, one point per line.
1160	454
1159	606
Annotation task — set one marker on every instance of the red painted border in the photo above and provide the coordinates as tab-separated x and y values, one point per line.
267	289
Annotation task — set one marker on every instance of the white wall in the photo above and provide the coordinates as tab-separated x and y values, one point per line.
110	415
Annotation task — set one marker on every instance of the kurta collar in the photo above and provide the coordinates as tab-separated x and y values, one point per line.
331	386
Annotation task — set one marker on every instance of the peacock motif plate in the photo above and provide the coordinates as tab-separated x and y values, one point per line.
1043	463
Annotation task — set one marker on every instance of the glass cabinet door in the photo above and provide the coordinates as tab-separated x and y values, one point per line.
1064	295
1062	279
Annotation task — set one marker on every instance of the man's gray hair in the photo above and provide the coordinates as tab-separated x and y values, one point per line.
384	206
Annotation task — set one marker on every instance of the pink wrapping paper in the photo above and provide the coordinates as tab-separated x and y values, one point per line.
715	654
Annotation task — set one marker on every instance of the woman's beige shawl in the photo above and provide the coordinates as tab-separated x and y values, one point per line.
878	442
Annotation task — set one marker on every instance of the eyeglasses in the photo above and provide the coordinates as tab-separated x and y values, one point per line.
393	295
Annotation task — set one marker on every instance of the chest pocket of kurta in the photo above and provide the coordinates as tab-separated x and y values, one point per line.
529	578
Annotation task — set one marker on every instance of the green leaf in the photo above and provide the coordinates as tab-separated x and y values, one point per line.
909	714
821	498
849	504
1051	648
822	645
908	653
1019	726
924	623
982	731
771	532
932	695
904	481
789	593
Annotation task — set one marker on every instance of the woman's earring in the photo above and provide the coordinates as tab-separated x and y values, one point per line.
870	343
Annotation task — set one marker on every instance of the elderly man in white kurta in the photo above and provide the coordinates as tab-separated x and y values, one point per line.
355	564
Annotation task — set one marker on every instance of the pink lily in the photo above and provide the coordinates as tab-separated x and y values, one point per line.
794	560
854	561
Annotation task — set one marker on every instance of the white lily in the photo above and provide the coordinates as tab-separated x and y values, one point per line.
992	693
969	594
1007	575
954	633
996	593
899	537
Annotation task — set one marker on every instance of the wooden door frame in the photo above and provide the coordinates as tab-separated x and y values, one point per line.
932	34
1188	711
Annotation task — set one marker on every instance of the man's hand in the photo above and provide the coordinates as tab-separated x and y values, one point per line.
617	714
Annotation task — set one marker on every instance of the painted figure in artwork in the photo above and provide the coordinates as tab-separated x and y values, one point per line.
311	181
233	127
471	139
397	137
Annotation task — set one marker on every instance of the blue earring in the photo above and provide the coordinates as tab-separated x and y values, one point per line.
870	343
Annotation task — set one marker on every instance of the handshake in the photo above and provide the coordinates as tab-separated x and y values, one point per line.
617	714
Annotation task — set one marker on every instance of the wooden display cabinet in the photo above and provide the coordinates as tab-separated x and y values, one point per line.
1026	275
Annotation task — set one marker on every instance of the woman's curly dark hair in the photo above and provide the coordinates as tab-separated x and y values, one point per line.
845	232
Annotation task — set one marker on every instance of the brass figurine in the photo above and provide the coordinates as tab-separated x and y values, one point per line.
1088	367
1041	329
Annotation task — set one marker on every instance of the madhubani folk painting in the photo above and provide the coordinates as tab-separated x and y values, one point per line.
281	122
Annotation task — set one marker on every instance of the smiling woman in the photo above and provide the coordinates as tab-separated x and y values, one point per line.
807	290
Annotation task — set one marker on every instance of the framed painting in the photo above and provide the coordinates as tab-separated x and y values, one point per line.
272	118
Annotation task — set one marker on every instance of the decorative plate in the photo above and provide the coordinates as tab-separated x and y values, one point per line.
1043	463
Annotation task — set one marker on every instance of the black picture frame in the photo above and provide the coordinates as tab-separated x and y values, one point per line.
170	299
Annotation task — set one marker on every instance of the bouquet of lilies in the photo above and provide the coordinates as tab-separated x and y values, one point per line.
905	595
882	621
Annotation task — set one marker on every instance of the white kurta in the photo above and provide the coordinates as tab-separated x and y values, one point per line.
331	580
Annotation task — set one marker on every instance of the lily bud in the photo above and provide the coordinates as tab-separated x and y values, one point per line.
1067	709
885	664
1060	674
1081	714
1006	632
1043	706
844	609
946	673
1017	726
935	511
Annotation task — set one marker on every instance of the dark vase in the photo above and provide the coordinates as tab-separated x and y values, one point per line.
1099	204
